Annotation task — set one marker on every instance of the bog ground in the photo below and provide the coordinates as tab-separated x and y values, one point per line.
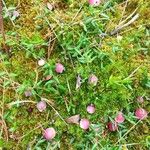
71	58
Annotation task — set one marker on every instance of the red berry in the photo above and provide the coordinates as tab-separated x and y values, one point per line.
119	118
112	126
141	113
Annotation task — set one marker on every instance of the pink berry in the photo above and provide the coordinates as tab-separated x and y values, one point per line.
41	106
141	113
119	118
48	77
41	62
112	126
93	80
16	14
59	68
28	93
94	2
90	109
84	124
49	133
140	99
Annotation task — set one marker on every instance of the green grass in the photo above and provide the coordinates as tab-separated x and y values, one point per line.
80	39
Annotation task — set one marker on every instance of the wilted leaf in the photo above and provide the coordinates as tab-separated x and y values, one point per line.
49	6
78	83
73	119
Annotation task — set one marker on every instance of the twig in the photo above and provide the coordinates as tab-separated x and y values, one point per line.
127	132
50	48
4	126
36	79
123	11
46	19
1	23
18	4
77	13
130	144
19	102
124	25
65	100
13	82
39	126
46	100
68	85
131	15
133	72
8	74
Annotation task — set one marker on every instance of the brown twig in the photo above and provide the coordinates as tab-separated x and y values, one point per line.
4	126
124	25
123	12
2	23
50	47
49	103
128	17
4	46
